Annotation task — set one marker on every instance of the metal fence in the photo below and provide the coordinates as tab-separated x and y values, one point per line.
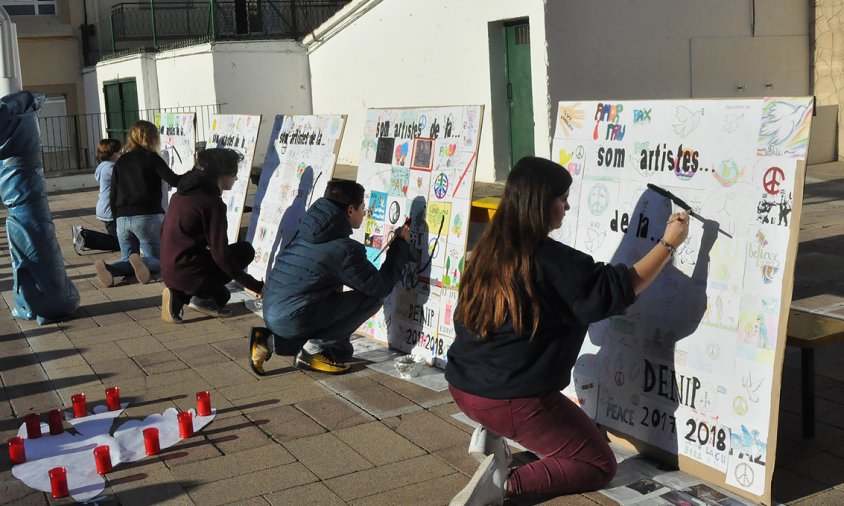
153	24
69	143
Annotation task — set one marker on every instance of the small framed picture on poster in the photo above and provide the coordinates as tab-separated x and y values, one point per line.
423	154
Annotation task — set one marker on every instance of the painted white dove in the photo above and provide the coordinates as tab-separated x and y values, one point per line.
781	121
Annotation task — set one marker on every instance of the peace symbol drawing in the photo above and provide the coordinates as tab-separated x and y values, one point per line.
772	180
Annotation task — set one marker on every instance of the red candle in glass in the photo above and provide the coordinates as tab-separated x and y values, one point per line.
17	452
58	482
80	406
54	419
185	424
151	444
33	426
112	398
203	403
102	456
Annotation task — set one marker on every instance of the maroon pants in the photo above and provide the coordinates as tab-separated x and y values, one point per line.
574	454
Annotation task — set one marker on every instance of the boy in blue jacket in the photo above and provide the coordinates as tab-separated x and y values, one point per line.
305	308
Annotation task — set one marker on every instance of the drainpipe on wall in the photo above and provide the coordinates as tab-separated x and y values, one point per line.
10	63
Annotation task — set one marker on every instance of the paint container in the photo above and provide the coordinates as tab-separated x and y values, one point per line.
33	426
80	405
151	444
58	482
112	398
185	424
54	420
102	456
203	403
17	451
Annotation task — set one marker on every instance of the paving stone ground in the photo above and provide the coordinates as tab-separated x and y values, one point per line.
306	438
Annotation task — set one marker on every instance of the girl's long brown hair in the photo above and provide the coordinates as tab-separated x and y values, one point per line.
143	134
497	282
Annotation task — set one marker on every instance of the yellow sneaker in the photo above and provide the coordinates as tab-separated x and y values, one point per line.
259	350
319	362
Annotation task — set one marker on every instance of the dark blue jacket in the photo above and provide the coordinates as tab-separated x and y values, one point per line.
320	260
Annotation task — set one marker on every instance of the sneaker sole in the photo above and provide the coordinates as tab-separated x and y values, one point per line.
465	496
209	312
318	367
166	297
142	273
104	277
259	370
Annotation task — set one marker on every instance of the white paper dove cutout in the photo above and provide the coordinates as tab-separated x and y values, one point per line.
76	451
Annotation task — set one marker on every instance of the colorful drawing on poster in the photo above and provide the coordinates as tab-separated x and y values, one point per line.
240	133
728	172
377	208
401	154
423	154
438	217
711	323
298	165
571	118
785	127
431	183
399	179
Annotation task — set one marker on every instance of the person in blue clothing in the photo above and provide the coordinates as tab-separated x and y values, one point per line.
108	151
305	308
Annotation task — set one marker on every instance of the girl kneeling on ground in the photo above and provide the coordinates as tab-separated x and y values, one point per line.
196	259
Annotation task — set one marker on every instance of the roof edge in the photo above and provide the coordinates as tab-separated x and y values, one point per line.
336	23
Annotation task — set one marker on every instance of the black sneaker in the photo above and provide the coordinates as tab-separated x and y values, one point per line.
208	307
171	309
78	240
259	349
320	362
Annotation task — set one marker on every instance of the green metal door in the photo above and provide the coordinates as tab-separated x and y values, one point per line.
121	101
519	91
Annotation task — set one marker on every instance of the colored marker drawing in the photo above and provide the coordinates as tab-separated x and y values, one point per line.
785	128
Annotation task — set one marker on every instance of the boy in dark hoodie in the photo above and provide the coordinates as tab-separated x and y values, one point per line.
196	259
307	312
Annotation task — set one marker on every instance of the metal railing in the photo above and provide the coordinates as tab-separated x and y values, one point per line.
69	143
155	24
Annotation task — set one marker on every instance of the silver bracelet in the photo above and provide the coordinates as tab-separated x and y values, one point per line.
671	249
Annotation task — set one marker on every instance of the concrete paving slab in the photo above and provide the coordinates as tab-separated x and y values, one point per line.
285	423
401	474
251	485
378	443
312	493
327	456
334	412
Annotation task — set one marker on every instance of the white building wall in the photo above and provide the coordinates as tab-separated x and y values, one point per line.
253	77
406	53
267	78
186	77
140	67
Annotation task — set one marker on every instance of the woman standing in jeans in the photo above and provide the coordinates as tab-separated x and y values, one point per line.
136	206
524	306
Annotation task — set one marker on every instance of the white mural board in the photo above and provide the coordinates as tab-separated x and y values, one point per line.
693	366
298	165
419	163
177	131
238	132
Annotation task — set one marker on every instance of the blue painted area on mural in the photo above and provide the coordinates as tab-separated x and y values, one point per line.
271	162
